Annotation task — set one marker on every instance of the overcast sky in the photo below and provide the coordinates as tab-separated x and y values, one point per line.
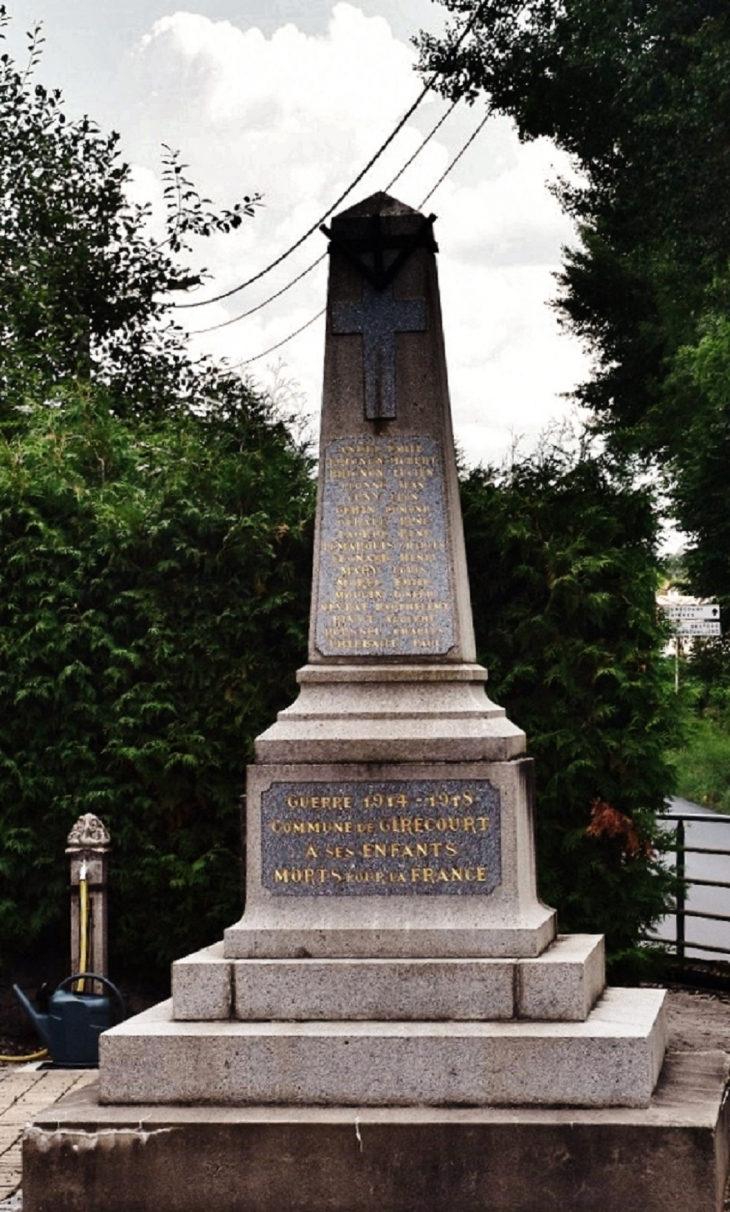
290	98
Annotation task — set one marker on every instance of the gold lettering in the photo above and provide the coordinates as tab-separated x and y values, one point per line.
449	875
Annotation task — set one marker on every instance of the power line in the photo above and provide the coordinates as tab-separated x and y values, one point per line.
444	175
457	157
422	144
272	348
196	332
315	226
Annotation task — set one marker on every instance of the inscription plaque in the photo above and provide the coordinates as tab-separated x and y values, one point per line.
384	576
423	837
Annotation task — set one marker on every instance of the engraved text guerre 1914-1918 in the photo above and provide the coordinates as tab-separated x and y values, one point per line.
403	837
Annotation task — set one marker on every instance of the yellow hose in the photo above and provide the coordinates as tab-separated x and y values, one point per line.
83	926
16	1060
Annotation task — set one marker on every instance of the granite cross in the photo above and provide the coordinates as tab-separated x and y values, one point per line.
378	318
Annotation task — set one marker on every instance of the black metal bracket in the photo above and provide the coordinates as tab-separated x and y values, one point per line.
375	244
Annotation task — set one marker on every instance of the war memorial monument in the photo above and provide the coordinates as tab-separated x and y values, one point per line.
395	1024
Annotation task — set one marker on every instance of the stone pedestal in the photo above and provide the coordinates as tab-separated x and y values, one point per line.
385	859
612	1059
561	985
391	713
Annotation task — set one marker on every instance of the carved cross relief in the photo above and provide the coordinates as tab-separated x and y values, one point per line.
379	316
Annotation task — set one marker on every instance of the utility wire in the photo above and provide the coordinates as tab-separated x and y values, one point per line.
226	294
422	144
373	159
313	320
272	348
196	332
457	157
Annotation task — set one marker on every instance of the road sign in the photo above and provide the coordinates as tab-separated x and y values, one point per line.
698	627
691	611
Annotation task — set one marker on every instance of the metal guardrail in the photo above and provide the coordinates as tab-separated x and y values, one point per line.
681	913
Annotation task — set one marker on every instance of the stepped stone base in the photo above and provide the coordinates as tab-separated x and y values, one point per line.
391	713
561	984
672	1156
527	935
612	1059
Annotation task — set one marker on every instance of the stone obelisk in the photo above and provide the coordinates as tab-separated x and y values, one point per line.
394	980
389	808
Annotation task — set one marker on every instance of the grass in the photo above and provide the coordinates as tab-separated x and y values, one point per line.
703	764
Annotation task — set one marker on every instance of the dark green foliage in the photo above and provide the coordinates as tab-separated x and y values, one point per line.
638	91
703	760
153	547
701	492
153	597
703	763
563	582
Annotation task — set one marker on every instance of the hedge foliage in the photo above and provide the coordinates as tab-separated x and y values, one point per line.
152	614
563	578
154	584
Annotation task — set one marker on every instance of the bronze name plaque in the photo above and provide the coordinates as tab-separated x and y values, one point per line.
423	837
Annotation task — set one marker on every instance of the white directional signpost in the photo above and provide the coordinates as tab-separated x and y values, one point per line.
698	620
701	627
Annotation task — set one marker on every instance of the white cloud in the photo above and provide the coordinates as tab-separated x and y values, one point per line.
512	219
297	116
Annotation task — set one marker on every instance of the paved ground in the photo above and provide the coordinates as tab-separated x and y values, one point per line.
698	1021
24	1091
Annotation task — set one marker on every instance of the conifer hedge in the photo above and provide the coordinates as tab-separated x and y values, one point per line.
153	605
563	570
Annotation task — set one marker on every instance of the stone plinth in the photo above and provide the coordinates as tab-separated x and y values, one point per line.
669	1157
389	812
611	1059
561	985
391	713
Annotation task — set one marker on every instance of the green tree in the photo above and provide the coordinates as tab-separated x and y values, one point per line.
563	577
637	92
154	546
700	493
86	291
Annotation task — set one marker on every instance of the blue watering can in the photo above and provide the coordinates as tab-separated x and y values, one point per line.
74	1021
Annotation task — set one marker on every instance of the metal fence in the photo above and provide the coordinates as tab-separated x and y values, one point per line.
681	849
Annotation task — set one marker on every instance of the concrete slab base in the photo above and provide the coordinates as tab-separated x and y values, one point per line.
612	1059
80	1156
